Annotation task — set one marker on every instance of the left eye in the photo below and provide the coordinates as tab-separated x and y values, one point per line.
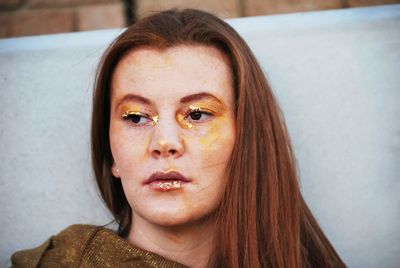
197	115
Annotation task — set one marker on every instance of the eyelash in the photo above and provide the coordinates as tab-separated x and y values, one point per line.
130	116
197	110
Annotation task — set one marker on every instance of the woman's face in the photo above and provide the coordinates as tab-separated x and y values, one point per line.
172	131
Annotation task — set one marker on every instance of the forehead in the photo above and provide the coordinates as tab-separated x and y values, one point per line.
173	72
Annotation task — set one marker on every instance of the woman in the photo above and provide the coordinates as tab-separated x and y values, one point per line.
191	156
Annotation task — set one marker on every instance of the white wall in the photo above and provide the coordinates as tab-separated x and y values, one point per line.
335	73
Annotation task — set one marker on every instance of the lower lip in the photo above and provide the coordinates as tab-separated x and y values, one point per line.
167	185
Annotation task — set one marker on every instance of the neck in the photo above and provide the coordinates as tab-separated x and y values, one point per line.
188	244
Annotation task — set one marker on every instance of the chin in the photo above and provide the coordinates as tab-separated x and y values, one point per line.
171	218
175	217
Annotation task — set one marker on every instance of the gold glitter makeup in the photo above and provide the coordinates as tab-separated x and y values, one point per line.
198	109
170	185
182	121
194	108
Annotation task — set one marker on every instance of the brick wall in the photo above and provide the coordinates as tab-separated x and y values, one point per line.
32	17
239	8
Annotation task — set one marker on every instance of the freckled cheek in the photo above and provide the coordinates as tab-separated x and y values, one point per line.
128	147
217	152
214	143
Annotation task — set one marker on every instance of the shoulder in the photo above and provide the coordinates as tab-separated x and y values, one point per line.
65	248
88	246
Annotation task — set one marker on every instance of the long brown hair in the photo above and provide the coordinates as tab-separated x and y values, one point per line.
263	220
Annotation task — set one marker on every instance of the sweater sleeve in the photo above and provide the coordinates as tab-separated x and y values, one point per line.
62	250
29	257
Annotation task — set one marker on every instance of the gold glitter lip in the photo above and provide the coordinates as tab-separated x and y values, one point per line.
166	181
170	185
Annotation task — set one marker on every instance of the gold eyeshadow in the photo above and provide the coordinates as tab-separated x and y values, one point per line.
194	108
209	106
182	120
183	114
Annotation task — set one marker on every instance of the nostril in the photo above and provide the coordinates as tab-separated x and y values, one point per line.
156	152
165	149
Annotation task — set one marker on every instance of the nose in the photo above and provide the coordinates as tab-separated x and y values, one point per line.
166	141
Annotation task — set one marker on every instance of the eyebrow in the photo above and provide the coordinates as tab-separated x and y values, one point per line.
186	99
199	96
134	97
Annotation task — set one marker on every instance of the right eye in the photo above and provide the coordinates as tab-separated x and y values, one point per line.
137	118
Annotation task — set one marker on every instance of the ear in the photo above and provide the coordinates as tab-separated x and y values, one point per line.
115	171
